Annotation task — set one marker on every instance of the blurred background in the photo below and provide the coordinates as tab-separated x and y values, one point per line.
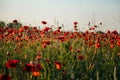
58	12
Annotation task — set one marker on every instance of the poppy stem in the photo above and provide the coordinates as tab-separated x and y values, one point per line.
115	73
97	75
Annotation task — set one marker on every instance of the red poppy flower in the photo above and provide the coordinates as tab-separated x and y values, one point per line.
32	67
95	25
75	23
28	67
44	22
21	29
26	27
11	63
100	23
59	27
15	21
61	38
44	45
10	30
38	57
77	50
118	43
108	32
5	77
46	28
118	38
58	65
75	27
114	32
1	30
112	45
81	57
97	45
36	73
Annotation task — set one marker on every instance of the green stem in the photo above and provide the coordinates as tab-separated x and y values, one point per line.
115	73
97	75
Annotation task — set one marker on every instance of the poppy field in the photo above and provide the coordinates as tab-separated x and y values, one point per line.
29	53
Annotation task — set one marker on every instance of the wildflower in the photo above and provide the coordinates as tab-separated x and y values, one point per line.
97	45
36	73
114	32
32	66
46	29
95	25
11	63
7	53
118	38
100	23
112	45
44	22
118	43
44	46
75	23
77	50
59	27
61	38
10	30
15	21
5	77
75	27
38	57
108	32
28	67
26	27
81	57
58	65
21	29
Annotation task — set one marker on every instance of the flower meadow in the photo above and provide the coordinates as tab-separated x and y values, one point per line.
29	53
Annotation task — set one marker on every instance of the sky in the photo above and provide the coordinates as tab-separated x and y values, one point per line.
63	11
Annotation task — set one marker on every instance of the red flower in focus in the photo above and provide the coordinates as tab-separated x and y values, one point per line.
81	57
44	22
58	65
15	21
11	63
5	77
75	23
